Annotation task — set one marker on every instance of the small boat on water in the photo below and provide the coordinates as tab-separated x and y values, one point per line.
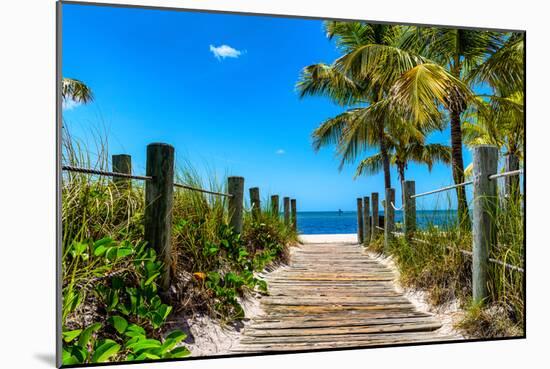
340	212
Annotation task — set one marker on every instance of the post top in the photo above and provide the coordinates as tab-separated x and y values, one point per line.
236	177
161	144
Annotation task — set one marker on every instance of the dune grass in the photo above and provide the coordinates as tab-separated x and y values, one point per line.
110	275
434	260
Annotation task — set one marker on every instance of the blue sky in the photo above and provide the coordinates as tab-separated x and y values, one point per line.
166	76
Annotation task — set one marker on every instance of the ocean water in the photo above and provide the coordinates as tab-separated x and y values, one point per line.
332	222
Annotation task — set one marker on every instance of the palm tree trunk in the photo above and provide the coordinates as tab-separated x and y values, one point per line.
385	158
458	168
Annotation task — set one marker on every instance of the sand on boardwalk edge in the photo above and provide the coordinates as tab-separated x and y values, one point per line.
448	314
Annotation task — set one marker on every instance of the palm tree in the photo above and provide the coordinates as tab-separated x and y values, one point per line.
364	126
403	150
73	89
461	53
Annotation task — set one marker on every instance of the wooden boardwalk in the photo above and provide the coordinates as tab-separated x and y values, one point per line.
334	295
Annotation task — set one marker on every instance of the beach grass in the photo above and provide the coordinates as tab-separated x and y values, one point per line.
438	260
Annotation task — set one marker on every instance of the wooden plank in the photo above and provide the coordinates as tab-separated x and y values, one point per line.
330	296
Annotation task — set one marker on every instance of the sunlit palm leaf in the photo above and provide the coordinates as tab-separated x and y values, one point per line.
369	166
76	90
325	80
424	88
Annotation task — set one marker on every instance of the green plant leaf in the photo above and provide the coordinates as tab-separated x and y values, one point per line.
180	352
87	334
119	323
176	335
147	356
105	350
68	336
123	252
144	344
100	250
134	330
151	279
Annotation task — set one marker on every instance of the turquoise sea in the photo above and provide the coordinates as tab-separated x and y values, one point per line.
333	222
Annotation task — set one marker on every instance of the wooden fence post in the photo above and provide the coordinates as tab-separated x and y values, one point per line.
235	187
389	218
409	207
255	201
366	219
484	231
293	214
286	206
275	205
122	164
158	204
360	234
511	183
374	217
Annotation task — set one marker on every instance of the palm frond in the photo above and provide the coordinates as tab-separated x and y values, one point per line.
326	80
76	90
369	166
331	130
381	65
424	88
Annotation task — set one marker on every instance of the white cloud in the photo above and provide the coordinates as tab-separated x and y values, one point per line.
224	51
69	104
280	152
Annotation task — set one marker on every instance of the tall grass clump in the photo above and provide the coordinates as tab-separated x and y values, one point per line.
437	259
111	303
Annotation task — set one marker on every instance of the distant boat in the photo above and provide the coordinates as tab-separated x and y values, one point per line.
340	212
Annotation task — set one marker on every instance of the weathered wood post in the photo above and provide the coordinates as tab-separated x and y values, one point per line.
511	183
286	206
360	234
122	164
158	204
484	231
374	217
275	205
293	214
409	207
235	187
255	201
389	218
366	219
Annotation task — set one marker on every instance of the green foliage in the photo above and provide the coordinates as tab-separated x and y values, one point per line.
121	278
435	261
129	343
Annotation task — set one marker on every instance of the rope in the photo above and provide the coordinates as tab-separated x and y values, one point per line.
469	253
394	208
130	176
104	173
187	187
442	189
507	174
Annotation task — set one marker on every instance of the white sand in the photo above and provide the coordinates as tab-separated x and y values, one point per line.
329	238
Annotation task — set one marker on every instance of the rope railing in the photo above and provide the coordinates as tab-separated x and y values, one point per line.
446	188
98	172
483	224
394	207
187	187
507	174
468	253
105	173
